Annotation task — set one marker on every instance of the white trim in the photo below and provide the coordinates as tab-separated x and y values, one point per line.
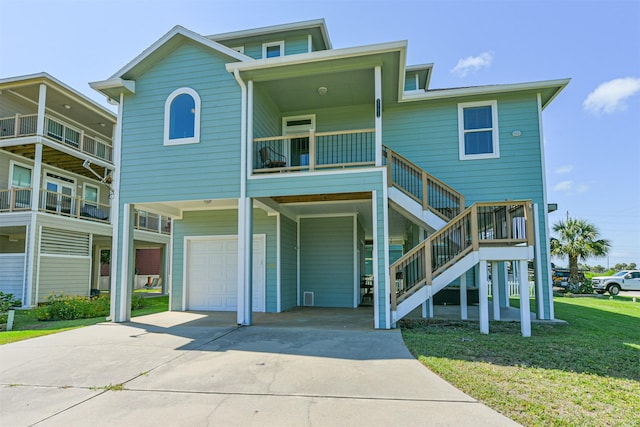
115	210
545	212
487	90
376	278
46	255
124	268
303	25
36	178
294	129
278	266
167	117
483	297
168	258
538	263
356	281
12	163
385	216
377	103
494	130
525	313
463	297
239	49
26	290
309	43
84	192
247	139
90	272
265	46
37	284
495	289
316	173
297	220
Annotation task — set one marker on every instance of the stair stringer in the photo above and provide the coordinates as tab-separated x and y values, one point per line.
413	210
438	283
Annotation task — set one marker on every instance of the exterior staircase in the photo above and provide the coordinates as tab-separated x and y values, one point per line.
463	236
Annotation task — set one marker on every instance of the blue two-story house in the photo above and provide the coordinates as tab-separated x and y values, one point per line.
301	175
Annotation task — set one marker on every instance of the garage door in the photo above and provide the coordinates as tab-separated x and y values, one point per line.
212	274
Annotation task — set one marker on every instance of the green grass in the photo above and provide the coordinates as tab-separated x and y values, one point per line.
27	326
586	373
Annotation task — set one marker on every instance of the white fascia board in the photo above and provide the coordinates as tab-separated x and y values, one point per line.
48	78
322	55
179	30
486	90
419	67
320	23
127	86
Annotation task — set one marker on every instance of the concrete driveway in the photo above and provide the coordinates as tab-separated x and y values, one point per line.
191	369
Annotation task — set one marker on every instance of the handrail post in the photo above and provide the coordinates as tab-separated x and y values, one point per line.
392	287
509	220
12	204
529	218
428	257
81	147
16	126
389	168
475	243
425	190
312	149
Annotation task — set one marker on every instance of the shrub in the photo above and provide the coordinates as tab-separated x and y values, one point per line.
7	301
137	302
68	307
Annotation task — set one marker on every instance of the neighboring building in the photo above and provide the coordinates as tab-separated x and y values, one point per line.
296	173
56	166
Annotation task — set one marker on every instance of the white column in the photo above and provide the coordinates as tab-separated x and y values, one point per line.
525	311
463	297
483	296
538	276
250	145
495	290
378	114
114	217
36	179
245	261
124	288
42	103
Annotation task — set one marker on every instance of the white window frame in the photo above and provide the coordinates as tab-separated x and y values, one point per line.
494	130
84	193
12	163
195	139
271	44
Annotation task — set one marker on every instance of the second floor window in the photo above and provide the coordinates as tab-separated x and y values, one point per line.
478	130
182	117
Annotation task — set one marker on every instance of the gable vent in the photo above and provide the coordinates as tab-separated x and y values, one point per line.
308	299
63	242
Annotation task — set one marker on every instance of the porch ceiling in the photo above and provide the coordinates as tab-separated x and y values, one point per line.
58	159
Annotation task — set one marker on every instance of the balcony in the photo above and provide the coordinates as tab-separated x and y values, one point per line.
57	130
147	221
311	151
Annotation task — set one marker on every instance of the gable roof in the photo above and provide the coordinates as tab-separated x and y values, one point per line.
124	78
318	24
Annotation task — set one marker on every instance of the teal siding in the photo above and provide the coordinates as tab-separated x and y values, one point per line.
308	183
341	118
326	260
293	44
296	44
222	223
266	117
289	262
410	81
154	172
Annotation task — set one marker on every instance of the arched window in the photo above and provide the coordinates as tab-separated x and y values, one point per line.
182	117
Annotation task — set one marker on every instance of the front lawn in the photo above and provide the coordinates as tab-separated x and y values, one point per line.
26	325
586	373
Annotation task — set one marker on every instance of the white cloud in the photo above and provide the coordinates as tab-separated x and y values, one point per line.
472	64
609	96
564	169
563	186
569	187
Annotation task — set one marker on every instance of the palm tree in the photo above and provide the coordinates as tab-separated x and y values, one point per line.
578	240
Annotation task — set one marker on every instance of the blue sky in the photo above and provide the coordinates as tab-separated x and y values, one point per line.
592	129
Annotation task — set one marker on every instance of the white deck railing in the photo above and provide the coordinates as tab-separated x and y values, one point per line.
26	125
147	221
314	150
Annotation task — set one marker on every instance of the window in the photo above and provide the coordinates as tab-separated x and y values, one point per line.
20	176
273	50
182	117
91	195
478	130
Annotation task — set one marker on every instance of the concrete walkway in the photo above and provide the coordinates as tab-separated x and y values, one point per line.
191	369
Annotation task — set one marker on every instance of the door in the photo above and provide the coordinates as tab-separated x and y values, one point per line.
297	151
59	196
212	273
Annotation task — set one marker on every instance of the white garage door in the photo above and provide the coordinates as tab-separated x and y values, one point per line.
212	273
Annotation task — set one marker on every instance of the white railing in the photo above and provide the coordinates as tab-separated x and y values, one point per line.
67	205
514	289
314	150
147	221
26	125
15	200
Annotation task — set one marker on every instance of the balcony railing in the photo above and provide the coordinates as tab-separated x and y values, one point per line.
147	221
26	125
15	200
482	224
67	205
314	150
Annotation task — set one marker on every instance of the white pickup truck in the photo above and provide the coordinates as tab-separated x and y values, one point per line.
626	280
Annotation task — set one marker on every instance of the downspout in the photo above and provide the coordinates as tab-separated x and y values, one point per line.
243	134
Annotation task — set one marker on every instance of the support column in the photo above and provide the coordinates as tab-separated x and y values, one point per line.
483	297
123	287
525	311
245	261
463	297
382	284
495	290
378	113
505	288
427	306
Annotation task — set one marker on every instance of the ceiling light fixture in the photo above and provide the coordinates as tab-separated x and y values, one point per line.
67	106
322	90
